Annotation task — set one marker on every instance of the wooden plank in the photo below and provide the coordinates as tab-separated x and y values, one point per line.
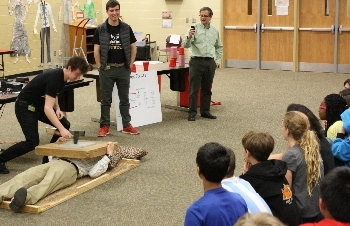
80	186
69	150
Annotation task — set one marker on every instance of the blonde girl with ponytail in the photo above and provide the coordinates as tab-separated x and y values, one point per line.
304	163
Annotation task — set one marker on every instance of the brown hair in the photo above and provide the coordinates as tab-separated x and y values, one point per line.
259	144
78	62
298	125
112	3
232	166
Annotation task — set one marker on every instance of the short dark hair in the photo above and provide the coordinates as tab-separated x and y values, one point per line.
213	160
78	62
112	3
335	193
347	81
259	144
232	166
208	9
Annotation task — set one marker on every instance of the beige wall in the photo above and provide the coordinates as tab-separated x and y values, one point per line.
142	15
146	16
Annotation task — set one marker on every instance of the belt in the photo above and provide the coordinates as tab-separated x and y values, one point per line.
75	166
21	101
203	58
115	47
115	64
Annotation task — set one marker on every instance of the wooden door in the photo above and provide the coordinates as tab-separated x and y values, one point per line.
344	37
240	37
316	35
277	29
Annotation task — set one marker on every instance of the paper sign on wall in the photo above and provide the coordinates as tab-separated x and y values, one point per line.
281	2
282	10
144	98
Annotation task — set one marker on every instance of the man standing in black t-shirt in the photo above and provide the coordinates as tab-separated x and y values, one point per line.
115	52
38	102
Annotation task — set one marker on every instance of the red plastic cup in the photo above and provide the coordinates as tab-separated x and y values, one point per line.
181	51
172	62
145	65
133	68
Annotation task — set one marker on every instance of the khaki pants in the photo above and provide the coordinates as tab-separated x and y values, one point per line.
40	181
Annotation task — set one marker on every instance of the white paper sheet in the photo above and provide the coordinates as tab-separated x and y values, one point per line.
174	39
282	10
167	23
144	97
281	2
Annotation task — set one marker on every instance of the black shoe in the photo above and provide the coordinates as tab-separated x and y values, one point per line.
191	118
3	168
45	160
19	199
208	115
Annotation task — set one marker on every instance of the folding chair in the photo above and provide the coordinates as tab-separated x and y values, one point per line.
170	41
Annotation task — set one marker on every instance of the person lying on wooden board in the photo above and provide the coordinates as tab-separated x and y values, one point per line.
39	181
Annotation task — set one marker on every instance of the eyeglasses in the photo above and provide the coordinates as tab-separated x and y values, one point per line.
322	107
204	16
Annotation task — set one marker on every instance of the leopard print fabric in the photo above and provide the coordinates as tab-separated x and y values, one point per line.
128	153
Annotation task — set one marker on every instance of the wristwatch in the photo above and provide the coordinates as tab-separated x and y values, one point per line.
108	155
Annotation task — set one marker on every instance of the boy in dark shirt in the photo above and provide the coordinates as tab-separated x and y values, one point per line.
267	177
38	102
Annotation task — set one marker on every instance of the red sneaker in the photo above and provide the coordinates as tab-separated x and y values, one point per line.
130	129
104	130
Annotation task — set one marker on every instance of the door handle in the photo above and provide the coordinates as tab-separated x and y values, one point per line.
263	28
331	29
341	29
241	27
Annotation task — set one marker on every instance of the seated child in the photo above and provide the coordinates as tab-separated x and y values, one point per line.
268	177
335	198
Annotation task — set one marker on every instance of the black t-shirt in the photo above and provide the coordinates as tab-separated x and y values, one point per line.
51	82
116	52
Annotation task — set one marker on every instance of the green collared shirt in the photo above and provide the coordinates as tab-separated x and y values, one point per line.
204	43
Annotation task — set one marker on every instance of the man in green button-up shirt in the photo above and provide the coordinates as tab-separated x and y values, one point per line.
206	53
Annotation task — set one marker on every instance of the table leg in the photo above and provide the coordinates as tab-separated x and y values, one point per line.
3	66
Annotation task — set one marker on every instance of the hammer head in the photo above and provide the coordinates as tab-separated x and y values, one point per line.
75	136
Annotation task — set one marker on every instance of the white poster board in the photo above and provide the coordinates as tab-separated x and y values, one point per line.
144	98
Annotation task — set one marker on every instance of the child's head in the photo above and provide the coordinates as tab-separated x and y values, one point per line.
258	219
259	144
296	124
213	161
347	83
335	194
315	124
331	108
